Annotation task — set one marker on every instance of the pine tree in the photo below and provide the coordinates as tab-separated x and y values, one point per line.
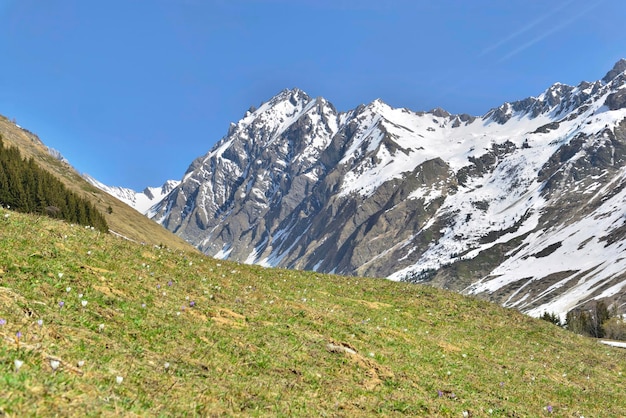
28	188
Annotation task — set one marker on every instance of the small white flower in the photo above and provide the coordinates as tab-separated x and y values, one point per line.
464	355
371	354
177	313
55	364
465	414
89	252
166	365
18	364
101	327
67	289
6	215
83	302
40	322
80	296
119	380
80	363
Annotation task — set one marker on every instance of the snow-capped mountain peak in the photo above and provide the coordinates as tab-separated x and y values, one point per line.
487	205
618	69
140	201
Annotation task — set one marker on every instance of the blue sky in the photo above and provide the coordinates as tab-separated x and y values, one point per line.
131	91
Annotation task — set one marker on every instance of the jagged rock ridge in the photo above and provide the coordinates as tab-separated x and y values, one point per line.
522	205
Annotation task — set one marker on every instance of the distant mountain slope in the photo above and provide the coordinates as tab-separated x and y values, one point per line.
122	220
140	201
523	205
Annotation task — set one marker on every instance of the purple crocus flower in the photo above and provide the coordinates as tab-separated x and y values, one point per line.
19	335
3	321
549	408
61	303
192	304
439	393
169	283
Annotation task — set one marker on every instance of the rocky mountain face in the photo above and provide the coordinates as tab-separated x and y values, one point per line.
524	205
141	201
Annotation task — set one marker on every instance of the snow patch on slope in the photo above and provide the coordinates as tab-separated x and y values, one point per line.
140	201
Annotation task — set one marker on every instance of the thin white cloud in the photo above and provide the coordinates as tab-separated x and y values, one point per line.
549	32
523	30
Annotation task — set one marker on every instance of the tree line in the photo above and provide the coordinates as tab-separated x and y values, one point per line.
25	187
596	320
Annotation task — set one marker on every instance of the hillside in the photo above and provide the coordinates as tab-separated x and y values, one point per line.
122	220
523	205
102	326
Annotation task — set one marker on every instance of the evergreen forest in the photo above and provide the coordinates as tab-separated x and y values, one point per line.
25	187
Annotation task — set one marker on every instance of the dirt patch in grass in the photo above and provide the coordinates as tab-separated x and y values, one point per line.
225	316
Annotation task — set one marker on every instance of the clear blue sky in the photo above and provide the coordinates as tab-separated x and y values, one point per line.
131	91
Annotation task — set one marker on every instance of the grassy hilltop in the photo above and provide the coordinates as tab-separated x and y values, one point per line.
107	327
120	217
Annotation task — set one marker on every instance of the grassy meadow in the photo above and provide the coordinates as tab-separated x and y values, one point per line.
94	325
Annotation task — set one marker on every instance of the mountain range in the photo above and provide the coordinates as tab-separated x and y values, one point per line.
142	201
524	206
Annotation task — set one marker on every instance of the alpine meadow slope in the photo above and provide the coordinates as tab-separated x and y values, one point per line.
523	206
94	325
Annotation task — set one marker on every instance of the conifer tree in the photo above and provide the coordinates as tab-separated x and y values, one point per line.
28	188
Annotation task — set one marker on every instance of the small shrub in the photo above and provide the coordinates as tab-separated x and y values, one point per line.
552	317
615	328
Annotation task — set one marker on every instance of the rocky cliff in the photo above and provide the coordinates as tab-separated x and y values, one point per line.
523	205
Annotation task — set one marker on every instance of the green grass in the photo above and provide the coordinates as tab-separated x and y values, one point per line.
265	342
